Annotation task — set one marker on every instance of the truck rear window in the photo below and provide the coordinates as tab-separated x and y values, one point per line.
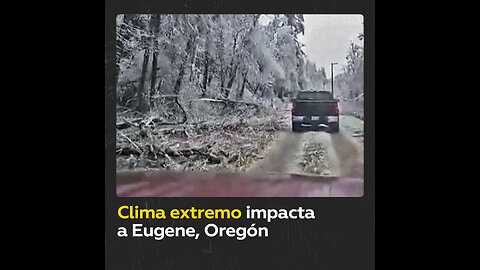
315	95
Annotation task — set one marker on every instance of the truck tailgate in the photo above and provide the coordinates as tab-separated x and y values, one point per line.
320	108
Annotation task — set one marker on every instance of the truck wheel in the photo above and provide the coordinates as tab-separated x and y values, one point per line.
334	128
296	127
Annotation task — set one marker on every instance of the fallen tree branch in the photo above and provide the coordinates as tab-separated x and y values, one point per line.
131	142
224	100
142	121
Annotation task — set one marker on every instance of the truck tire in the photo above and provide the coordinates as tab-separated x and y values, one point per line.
334	128
296	127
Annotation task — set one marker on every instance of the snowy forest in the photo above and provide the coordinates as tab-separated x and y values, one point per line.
210	91
350	82
214	56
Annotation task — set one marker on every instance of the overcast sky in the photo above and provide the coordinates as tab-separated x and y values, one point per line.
327	38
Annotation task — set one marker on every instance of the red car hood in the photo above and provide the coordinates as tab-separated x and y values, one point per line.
208	184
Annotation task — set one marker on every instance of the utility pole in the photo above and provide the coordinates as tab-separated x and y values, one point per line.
331	69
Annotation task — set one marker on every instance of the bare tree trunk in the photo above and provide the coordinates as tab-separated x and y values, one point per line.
153	80
192	66
232	78
205	76
183	111
242	88
222	81
142	102
210	77
280	93
178	83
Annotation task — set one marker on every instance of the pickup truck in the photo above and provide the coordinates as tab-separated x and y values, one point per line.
316	111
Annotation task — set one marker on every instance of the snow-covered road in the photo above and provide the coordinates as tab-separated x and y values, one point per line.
316	153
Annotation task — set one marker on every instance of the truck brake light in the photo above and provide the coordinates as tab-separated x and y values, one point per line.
293	108
335	108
